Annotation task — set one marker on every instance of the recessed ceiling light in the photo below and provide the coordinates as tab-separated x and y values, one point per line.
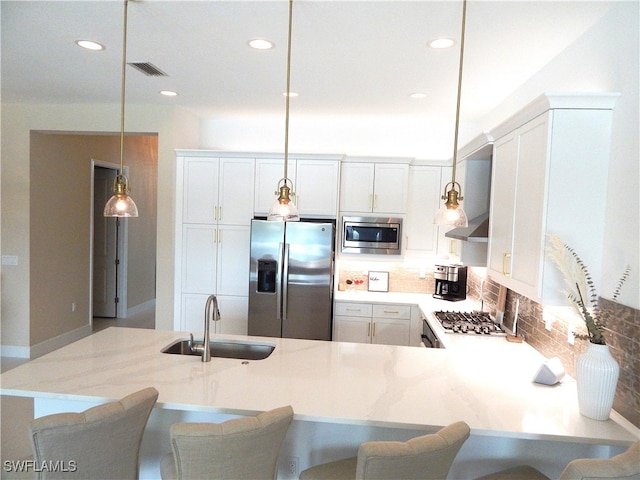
418	95
168	93
90	45
441	43
261	44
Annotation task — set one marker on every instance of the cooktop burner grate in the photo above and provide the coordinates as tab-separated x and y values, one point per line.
475	322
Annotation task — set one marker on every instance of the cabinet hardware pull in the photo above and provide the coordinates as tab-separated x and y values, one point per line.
504	259
220	212
370	202
375	201
369	330
215	212
374	329
452	248
353	309
391	311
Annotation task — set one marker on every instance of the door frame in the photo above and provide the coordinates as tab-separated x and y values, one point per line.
123	241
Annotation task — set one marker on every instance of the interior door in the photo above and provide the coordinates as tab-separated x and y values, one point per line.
105	243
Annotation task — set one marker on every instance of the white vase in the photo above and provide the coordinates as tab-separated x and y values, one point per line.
597	376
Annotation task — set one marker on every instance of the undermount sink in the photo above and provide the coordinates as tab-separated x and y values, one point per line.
224	349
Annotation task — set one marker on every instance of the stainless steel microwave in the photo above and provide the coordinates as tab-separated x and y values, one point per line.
371	235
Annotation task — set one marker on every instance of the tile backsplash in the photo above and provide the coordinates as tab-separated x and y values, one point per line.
623	333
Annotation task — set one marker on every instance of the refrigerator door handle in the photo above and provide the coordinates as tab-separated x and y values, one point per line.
285	282
279	283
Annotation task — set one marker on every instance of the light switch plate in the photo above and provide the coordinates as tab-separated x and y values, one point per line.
10	260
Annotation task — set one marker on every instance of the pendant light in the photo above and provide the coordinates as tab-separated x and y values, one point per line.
451	212
121	204
284	209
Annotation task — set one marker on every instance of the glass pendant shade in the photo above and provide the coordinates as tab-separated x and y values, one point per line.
120	204
284	209
451	212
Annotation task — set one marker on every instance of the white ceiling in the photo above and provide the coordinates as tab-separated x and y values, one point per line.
349	57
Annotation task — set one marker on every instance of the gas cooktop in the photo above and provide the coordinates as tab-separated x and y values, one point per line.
475	322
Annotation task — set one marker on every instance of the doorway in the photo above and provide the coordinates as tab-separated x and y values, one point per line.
109	248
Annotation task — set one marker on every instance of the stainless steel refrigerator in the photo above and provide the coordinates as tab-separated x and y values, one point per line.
291	279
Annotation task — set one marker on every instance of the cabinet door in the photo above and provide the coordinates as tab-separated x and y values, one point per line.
233	315
233	260
317	187
235	202
421	234
268	172
356	187
390	188
505	158
352	329
199	253
389	331
192	314
528	238
200	190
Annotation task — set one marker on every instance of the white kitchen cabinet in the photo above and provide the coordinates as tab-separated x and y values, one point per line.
374	187
420	231
315	184
214	208
550	166
217	190
372	323
233	314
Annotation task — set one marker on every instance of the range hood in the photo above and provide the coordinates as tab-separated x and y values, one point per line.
477	231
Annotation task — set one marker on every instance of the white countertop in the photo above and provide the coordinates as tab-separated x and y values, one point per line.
398	387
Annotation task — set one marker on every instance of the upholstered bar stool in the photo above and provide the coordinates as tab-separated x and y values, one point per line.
623	466
102	442
425	457
241	448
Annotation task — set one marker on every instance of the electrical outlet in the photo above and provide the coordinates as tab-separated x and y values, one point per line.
292	466
571	335
74	306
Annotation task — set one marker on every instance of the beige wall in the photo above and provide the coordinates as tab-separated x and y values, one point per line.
60	226
174	128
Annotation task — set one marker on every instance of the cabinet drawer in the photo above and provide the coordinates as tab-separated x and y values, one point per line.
392	311
353	309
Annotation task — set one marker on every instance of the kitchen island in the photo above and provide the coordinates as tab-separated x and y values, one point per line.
342	394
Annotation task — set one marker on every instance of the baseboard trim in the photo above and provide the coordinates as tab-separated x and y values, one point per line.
54	343
141	307
14	351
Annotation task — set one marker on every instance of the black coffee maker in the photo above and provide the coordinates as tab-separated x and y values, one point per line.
451	282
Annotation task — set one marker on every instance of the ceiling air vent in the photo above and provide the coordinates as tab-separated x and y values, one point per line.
148	69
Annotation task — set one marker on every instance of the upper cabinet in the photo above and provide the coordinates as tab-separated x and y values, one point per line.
315	184
420	232
549	174
216	190
374	187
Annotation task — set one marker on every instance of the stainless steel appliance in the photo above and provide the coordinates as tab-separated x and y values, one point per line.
451	282
291	279
373	235
429	338
478	323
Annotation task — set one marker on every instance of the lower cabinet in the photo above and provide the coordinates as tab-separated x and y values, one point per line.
358	322
233	314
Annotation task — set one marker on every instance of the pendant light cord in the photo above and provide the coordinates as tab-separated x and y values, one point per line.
457	126
123	85
288	95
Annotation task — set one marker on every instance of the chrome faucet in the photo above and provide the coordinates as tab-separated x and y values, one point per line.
211	312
